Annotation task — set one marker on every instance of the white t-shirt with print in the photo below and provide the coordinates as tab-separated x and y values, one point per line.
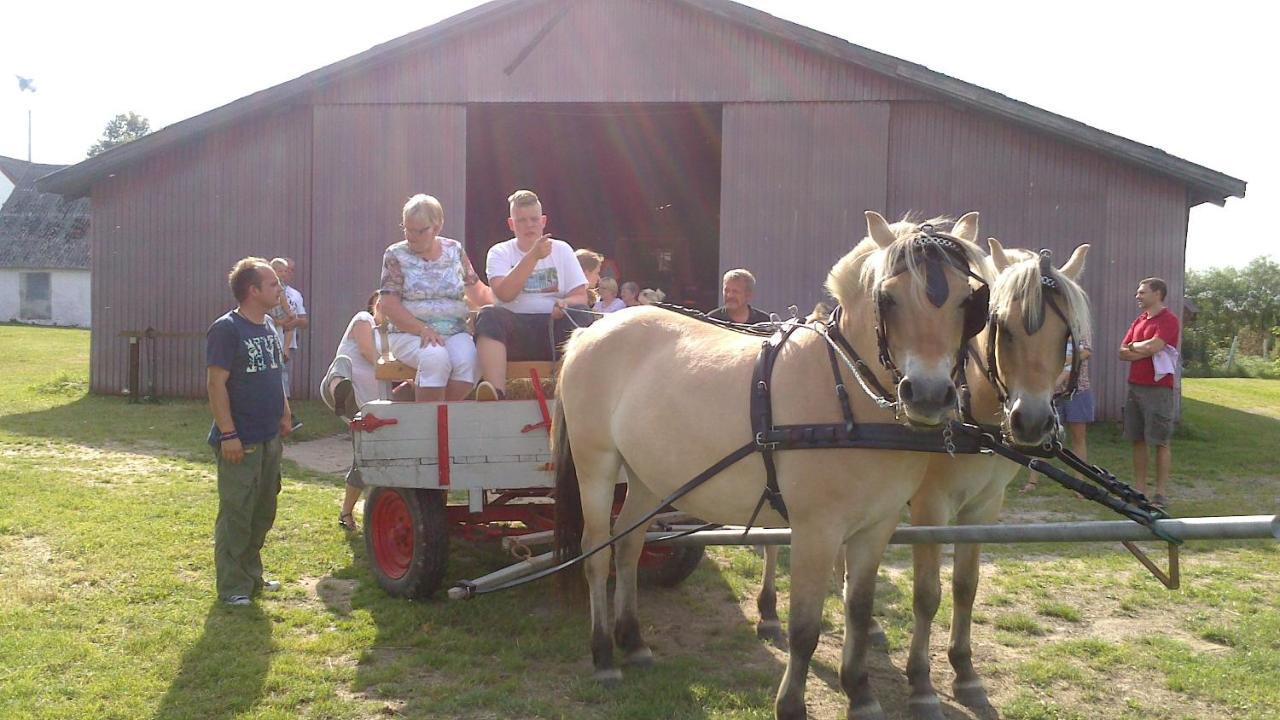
552	278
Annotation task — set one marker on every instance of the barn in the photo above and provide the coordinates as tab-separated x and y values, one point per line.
682	137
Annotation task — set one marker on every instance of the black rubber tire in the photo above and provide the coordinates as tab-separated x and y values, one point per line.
681	563
406	537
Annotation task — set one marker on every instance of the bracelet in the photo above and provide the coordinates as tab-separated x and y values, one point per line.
228	436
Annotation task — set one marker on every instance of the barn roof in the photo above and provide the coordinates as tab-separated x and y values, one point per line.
41	230
1204	184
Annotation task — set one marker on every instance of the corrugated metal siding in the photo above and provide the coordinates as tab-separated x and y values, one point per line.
165	233
368	160
796	179
615	51
1146	236
1035	192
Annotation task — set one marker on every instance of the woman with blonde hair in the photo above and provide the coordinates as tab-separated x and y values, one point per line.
427	282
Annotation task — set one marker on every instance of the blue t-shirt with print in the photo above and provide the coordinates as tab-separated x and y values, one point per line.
253	355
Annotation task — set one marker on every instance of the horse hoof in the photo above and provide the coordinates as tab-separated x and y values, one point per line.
610	678
870	710
639	658
771	631
926	707
972	695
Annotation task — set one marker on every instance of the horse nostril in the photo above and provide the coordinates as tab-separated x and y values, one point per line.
904	390
950	398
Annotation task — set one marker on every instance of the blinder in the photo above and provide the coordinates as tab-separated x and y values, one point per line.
937	250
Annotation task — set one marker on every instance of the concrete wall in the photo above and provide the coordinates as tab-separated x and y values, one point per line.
69	290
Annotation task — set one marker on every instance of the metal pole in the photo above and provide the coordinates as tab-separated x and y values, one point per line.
1235	527
28	134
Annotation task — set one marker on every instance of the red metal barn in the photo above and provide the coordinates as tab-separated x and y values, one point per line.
682	137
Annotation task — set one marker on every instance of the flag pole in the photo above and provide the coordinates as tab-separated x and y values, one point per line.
28	134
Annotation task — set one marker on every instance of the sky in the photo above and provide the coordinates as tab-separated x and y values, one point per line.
1188	78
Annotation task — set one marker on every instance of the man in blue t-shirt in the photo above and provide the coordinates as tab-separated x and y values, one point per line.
245	359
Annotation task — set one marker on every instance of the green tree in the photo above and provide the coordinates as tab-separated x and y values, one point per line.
1233	301
123	128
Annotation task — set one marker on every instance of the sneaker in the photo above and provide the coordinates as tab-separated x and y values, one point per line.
238	600
270	585
485	391
344	399
294	423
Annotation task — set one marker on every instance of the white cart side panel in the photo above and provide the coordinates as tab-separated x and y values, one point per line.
487	447
489	476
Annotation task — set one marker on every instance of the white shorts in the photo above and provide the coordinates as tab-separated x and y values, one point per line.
437	366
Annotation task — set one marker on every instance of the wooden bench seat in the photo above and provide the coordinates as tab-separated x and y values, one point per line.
389	369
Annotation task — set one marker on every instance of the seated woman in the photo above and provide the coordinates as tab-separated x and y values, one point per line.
609	300
630	293
427	282
350	383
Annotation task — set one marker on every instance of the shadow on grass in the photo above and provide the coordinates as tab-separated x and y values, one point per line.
524	652
223	673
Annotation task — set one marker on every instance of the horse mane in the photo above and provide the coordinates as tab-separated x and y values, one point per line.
862	269
1020	283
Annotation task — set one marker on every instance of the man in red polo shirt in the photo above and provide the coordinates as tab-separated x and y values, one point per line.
1151	403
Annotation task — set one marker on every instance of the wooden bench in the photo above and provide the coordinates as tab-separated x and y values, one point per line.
389	369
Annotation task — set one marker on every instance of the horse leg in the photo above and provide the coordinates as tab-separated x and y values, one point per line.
875	634
968	688
596	482
926	596
626	558
863	551
770	627
812	551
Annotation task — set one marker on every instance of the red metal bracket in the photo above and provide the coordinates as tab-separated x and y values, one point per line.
442	443
542	404
369	422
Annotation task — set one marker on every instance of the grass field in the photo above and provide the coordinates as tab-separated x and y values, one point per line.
107	607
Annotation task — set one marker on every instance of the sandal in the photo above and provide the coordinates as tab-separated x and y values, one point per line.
1030	486
1160	502
348	522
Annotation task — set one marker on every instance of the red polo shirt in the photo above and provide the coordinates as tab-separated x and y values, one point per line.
1164	326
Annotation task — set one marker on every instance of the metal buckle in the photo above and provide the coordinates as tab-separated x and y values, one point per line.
760	443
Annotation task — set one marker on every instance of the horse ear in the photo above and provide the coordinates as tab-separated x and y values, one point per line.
878	229
1075	265
966	228
998	258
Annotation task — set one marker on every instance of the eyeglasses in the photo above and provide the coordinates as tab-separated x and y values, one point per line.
416	231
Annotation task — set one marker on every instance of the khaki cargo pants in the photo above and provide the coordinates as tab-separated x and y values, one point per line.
246	511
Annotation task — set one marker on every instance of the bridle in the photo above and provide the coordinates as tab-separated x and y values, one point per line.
1049	289
935	251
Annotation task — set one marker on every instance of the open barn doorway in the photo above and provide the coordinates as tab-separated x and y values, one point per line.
637	182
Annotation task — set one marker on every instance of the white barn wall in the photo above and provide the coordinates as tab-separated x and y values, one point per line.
70	296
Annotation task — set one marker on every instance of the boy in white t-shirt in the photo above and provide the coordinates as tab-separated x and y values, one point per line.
534	279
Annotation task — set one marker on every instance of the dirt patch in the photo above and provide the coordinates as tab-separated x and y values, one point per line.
108	465
30	571
329	455
334	593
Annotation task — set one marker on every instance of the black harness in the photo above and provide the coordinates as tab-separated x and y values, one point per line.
966	438
1049	289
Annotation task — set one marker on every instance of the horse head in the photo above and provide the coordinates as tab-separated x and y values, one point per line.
1036	311
916	292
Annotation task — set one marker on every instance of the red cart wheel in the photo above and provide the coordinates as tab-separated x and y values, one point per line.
668	565
407	540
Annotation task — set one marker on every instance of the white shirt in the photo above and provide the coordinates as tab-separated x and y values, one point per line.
552	278
297	308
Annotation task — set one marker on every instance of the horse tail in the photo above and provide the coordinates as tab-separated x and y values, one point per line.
568	531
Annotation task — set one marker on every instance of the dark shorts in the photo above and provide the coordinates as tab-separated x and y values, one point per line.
529	337
1148	414
1078	408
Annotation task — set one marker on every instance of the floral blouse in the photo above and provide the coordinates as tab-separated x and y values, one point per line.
432	290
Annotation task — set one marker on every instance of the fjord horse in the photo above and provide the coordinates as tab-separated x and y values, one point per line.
679	404
1035	309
